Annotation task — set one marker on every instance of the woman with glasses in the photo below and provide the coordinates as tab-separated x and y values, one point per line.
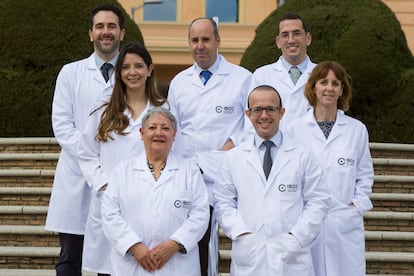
341	144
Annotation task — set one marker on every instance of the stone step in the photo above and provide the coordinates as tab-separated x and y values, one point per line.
27	235
393	184
393	166
26	177
23	215
34	272
28	257
389	221
397	202
29	144
12	160
388	150
33	196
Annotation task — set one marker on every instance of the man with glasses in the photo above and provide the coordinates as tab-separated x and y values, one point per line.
271	210
291	71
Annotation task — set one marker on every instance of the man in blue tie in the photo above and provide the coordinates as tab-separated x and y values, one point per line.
208	99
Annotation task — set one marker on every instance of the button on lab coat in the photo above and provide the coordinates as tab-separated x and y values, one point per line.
347	163
293	200
79	85
136	208
97	160
292	95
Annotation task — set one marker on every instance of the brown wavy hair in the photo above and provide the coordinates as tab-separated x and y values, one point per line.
113	118
320	72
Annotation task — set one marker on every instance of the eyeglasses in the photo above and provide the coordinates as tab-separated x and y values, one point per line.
270	110
295	34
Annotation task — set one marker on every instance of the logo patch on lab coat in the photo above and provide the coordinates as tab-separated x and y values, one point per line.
182	204
225	109
290	188
342	161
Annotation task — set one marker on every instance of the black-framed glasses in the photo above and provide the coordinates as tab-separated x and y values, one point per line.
295	34
270	110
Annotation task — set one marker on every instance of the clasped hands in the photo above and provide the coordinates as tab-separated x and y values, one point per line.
155	258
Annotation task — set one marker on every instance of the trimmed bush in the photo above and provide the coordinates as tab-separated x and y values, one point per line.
37	39
367	39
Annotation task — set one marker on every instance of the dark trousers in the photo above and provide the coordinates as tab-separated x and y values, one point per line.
70	258
203	245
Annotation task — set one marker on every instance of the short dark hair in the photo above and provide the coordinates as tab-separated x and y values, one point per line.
264	87
293	16
108	7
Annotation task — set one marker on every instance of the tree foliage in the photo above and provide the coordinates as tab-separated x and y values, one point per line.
37	39
367	39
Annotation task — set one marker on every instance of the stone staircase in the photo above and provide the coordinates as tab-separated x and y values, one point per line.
26	174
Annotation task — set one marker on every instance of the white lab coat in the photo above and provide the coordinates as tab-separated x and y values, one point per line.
209	115
347	163
293	200
97	160
292	95
136	208
78	86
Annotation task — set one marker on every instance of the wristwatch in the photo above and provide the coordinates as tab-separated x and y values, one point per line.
182	249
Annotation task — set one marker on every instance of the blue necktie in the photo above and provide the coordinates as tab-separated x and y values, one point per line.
267	159
105	70
206	75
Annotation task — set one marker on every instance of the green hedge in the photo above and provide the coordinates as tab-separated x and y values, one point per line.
37	39
367	39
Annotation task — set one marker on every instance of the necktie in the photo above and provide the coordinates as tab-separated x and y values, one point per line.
295	74
105	70
206	75
267	159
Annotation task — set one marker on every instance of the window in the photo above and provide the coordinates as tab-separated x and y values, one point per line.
226	11
167	11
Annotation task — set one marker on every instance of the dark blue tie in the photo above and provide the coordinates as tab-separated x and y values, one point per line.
267	159
105	70
206	75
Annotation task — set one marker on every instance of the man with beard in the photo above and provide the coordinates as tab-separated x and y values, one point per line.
78	87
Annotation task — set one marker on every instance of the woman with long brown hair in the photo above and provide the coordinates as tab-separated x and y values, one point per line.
112	135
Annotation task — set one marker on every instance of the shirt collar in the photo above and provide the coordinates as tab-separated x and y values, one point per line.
302	66
99	61
213	68
276	139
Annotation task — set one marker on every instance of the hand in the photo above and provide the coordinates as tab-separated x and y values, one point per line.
144	257
164	251
228	145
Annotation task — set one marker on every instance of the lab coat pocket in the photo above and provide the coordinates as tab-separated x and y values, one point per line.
243	251
296	259
349	220
95	206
